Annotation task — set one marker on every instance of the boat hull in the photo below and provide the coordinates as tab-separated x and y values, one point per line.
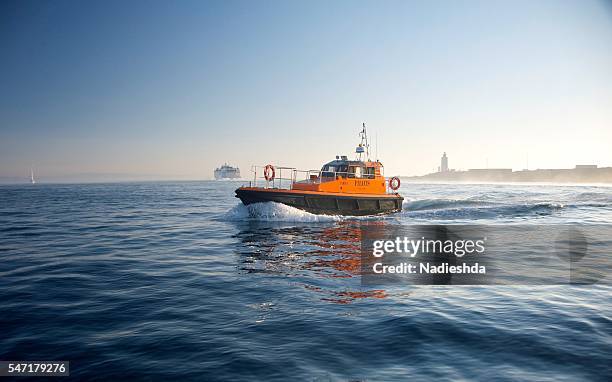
324	203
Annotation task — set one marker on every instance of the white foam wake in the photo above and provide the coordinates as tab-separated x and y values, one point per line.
271	211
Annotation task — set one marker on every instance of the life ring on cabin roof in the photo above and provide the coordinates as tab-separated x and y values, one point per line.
394	183
269	172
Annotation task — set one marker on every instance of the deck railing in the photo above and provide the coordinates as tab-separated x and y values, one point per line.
285	177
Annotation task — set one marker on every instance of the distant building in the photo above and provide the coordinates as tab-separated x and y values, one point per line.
490	171
580	174
444	163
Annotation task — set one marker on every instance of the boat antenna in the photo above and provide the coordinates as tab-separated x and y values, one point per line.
364	146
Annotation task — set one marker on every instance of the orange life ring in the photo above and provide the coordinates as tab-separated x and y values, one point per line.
394	183
269	172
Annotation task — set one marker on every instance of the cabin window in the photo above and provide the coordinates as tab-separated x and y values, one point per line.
328	171
342	171
370	172
355	172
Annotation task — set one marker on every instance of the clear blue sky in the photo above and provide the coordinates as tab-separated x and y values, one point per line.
172	89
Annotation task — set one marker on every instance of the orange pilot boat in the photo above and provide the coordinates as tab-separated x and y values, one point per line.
341	187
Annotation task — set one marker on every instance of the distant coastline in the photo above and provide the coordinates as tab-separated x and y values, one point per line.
579	174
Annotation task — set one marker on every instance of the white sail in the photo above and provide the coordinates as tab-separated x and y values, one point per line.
32	175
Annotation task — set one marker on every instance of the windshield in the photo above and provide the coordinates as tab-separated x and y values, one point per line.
334	170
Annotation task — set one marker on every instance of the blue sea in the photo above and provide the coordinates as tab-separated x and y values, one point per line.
176	281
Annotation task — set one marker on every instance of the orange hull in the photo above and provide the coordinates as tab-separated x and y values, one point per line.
329	203
346	186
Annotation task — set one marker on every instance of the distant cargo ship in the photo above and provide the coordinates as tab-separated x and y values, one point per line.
227	172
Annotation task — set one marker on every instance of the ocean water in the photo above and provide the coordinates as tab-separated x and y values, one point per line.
177	281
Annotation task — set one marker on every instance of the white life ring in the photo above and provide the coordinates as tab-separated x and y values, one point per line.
269	172
394	183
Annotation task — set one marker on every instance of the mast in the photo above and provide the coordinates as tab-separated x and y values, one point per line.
364	146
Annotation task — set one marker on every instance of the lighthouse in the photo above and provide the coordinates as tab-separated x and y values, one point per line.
444	163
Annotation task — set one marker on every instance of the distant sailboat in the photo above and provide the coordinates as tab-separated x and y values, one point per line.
32	176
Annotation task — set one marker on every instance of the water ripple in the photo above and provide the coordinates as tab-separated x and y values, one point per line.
177	281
